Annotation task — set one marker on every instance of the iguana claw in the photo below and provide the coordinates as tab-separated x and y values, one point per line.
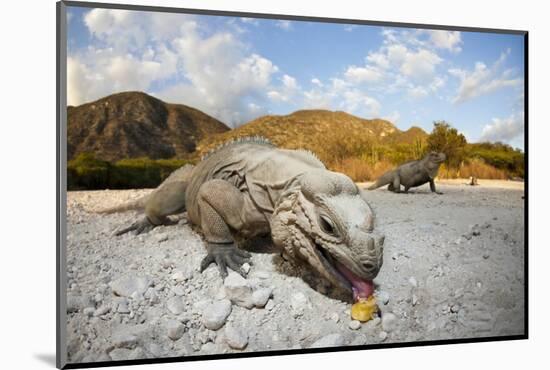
225	255
139	227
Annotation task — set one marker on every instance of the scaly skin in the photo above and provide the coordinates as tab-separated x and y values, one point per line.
412	174
251	188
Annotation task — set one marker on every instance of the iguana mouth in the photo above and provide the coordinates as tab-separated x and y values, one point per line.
361	288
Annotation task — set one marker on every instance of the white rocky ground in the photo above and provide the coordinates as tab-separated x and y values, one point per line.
453	268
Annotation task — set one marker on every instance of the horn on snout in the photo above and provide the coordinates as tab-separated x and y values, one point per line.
368	224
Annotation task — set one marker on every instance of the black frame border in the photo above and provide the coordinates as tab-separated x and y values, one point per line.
61	164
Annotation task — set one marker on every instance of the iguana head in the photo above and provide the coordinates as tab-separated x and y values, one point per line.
326	221
436	157
432	162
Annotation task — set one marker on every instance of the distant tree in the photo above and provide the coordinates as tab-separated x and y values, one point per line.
445	138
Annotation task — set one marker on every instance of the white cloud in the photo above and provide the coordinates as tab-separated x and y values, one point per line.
417	92
379	59
356	100
437	83
276	96
289	82
426	39
220	76
78	80
349	27
286	91
285	25
252	21
363	74
483	80
175	58
316	82
340	95
100	72
450	40
390	36
396	53
402	64
119	28
393	117
317	99
420	65
504	130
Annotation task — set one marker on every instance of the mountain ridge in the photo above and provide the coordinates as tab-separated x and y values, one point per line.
314	129
134	124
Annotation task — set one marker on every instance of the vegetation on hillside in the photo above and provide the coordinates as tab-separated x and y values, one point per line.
482	160
363	149
88	172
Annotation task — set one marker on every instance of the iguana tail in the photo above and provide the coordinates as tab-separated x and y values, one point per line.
181	175
133	205
385	179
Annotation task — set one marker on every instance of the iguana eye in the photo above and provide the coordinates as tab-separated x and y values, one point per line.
326	225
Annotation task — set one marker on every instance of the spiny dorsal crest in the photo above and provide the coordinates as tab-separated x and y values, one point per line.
312	155
238	141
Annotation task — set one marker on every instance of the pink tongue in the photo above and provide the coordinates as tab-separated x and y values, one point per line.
361	288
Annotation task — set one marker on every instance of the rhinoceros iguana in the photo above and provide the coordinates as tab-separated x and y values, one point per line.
412	174
250	188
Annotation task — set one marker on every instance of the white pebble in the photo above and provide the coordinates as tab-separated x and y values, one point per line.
175	305
175	329
215	314
383	297
354	325
261	296
235	338
179	276
389	321
330	340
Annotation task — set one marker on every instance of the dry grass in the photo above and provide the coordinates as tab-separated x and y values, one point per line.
476	168
360	170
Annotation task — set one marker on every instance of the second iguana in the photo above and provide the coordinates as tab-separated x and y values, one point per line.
412	174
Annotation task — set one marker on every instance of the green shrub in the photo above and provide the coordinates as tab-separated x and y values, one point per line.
87	172
500	156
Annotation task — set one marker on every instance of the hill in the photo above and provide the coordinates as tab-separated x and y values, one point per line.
331	135
134	124
132	140
410	136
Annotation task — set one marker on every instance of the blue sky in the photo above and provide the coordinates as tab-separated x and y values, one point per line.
237	69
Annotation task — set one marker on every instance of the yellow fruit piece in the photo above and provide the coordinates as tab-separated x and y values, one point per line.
364	309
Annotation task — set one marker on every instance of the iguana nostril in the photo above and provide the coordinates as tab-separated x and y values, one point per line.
381	240
369	266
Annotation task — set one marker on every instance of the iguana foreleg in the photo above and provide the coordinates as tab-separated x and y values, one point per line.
432	187
395	185
220	208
